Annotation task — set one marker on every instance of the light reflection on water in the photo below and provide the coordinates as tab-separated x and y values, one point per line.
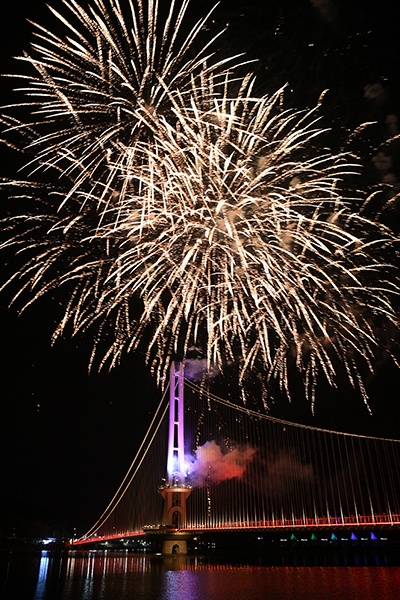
42	576
123	576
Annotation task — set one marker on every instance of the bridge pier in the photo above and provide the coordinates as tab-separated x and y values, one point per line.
172	541
174	546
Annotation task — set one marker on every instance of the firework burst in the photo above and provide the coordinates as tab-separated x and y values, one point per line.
89	82
194	212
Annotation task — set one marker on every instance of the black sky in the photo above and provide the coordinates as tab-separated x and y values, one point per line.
67	438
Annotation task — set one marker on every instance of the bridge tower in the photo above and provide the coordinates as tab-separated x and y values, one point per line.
174	491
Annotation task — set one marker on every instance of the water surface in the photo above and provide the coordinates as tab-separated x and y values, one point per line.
123	576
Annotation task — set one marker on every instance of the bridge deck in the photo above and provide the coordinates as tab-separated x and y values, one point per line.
352	522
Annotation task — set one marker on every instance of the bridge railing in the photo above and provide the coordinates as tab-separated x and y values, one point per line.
353	520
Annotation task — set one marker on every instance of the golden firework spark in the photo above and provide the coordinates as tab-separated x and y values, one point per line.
189	211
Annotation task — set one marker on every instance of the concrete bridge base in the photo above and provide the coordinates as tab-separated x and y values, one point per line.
173	541
174	546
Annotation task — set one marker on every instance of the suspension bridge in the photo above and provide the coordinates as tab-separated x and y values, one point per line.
208	465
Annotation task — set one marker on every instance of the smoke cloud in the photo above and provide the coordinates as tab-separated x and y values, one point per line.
325	8
211	464
197	369
277	476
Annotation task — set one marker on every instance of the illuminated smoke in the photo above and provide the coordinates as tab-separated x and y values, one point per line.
211	465
197	369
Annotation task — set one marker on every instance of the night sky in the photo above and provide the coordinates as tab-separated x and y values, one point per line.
67	438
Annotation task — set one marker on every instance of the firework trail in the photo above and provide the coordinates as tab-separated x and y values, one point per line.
194	212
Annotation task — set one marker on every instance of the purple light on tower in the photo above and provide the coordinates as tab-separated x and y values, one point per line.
176	450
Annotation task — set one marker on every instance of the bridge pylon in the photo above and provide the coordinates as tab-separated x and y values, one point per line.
175	491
